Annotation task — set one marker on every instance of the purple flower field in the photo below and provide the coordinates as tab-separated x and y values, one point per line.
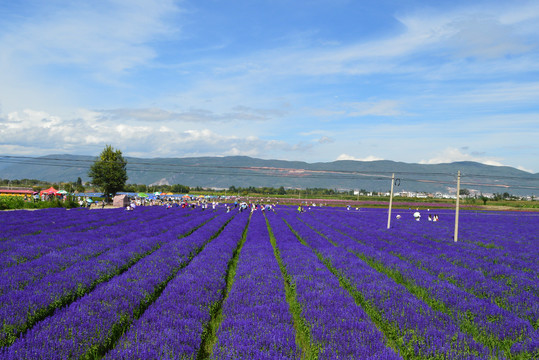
328	283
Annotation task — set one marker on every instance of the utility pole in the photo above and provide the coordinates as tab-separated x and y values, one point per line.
456	236
390	201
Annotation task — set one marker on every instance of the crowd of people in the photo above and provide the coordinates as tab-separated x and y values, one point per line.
203	204
238	205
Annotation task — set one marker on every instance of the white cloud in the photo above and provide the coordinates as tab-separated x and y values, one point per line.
64	54
448	35
234	151
382	108
485	37
350	157
312	132
526	12
327	113
240	113
497	93
476	31
107	37
325	140
87	133
376	108
452	154
524	169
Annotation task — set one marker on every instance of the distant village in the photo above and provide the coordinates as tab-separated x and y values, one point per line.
465	193
17	188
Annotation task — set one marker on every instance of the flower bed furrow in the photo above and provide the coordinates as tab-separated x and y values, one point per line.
256	320
338	326
304	340
516	299
418	330
486	322
55	261
21	245
473	252
175	325
20	310
51	221
501	238
110	223
27	248
89	326
21	223
431	256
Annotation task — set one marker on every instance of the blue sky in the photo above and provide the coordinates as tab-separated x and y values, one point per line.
316	81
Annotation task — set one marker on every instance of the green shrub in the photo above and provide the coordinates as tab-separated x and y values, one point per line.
11	202
17	202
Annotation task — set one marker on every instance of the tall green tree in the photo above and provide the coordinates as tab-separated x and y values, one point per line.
109	172
180	189
78	185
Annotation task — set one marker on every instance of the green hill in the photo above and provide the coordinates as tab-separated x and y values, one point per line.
223	172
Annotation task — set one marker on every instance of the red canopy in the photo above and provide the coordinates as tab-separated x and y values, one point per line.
49	191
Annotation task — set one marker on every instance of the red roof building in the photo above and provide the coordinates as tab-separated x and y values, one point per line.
14	192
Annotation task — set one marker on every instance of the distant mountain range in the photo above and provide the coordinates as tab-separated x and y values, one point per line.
242	171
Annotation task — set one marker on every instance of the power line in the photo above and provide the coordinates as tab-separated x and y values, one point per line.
18	159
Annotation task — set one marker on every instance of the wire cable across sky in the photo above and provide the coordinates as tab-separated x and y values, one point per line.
280	172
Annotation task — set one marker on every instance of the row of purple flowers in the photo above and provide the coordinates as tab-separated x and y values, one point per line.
41	237
90	325
20	309
501	241
66	249
415	328
19	223
492	325
257	323
471	270
339	328
509	282
176	324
